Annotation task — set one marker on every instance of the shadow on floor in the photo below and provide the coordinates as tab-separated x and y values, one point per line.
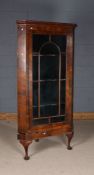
46	143
83	132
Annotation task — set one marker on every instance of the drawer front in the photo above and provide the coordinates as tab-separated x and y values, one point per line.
40	133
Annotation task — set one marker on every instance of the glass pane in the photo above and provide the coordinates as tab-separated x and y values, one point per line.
63	66
48	93
62	112
60	41
40	121
49	110
35	112
35	67
57	119
62	100
49	48
49	67
35	94
38	41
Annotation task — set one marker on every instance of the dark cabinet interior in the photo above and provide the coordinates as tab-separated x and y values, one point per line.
45	80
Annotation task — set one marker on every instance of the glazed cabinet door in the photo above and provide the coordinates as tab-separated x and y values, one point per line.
48	78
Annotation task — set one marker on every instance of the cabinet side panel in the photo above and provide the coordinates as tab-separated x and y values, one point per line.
22	80
29	74
69	78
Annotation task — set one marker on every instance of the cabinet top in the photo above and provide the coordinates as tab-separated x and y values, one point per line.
31	22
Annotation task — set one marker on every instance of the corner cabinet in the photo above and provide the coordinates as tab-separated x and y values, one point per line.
45	80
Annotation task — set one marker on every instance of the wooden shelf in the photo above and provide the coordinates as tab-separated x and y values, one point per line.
48	105
38	54
35	118
35	81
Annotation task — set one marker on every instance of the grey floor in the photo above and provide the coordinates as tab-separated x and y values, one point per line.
49	156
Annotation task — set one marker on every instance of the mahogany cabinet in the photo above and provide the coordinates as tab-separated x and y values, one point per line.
45	80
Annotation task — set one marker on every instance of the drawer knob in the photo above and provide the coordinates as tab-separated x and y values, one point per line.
44	133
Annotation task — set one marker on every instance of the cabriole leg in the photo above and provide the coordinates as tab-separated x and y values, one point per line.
26	145
69	136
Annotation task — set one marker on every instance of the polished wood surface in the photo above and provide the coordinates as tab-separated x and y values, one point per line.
26	130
